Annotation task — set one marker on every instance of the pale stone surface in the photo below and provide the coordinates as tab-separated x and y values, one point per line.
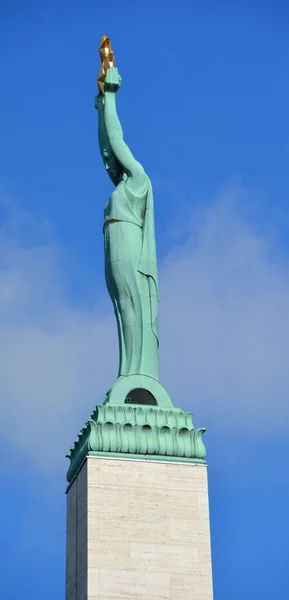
164	557
134	584
138	530
136	527
191	585
93	582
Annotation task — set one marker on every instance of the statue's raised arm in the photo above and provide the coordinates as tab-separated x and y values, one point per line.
121	151
115	149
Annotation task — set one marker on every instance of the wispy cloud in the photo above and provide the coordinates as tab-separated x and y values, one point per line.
224	334
55	360
225	322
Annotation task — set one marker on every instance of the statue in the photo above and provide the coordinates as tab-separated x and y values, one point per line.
129	236
137	418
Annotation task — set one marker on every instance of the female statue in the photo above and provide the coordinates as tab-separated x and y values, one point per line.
129	242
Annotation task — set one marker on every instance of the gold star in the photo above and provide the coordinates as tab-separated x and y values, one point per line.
107	61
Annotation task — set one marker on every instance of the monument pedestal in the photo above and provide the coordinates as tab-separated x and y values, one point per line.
138	530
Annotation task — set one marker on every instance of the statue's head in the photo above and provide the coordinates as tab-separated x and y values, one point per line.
113	168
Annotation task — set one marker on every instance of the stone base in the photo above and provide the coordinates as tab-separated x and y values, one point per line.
138	530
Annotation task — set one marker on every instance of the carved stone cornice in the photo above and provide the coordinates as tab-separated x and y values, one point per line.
135	431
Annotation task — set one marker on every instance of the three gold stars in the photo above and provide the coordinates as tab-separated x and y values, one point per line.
107	61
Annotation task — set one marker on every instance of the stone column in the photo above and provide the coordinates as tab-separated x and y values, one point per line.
138	530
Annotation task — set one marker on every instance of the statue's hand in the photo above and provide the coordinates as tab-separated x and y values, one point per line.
112	80
99	102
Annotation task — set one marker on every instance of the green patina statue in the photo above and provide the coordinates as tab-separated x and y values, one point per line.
129	242
137	419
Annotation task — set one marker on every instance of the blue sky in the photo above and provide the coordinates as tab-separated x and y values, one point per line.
204	106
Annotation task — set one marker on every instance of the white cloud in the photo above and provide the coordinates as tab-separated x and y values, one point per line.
224	335
225	323
55	361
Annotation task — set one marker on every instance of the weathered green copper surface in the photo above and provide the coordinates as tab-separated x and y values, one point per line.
124	385
138	431
137	418
129	242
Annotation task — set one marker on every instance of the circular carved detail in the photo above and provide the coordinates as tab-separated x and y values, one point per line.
127	427
165	430
109	425
141	396
147	428
184	432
